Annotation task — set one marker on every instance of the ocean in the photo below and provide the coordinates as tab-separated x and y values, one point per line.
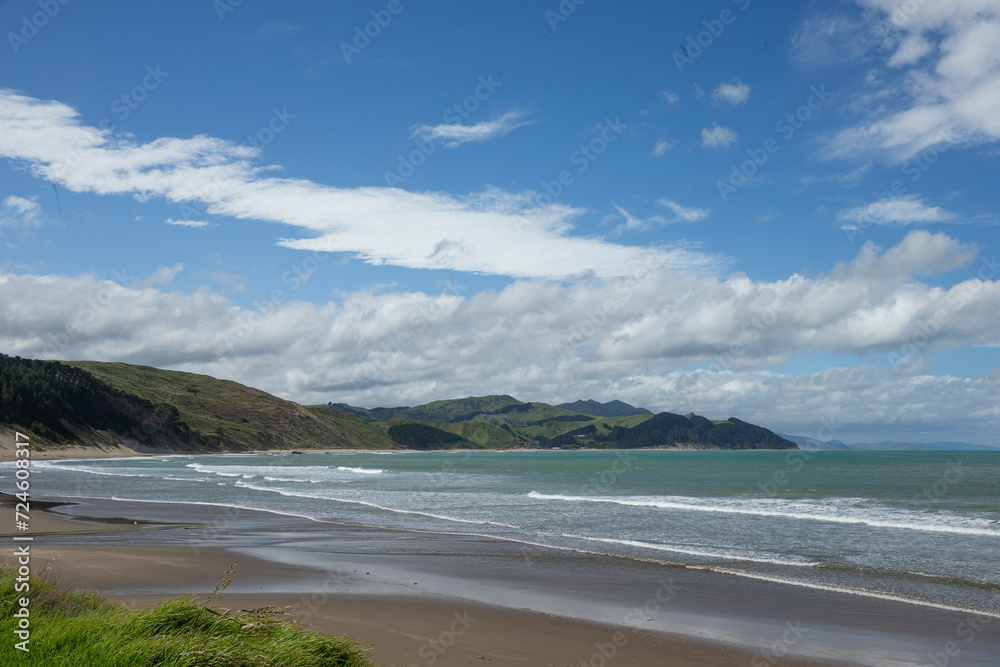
917	527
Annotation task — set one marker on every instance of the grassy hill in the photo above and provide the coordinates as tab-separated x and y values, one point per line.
694	432
497	422
61	405
227	415
610	409
485	435
449	411
100	403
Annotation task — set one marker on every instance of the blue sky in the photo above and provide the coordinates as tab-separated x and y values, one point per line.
783	213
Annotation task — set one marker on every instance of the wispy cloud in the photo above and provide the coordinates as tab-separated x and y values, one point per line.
662	147
717	137
684	213
18	212
671	97
235	282
736	92
905	210
633	223
490	232
681	214
188	223
456	134
163	275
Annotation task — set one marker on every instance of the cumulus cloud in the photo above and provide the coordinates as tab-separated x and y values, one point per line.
919	252
491	232
717	137
18	212
456	134
637	338
904	210
949	53
736	92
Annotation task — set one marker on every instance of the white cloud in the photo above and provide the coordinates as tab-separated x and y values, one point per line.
950	55
736	92
456	134
20	212
681	214
187	223
684	213
633	223
911	49
164	275
636	338
491	232
670	97
718	137
663	145
830	39
920	252
904	210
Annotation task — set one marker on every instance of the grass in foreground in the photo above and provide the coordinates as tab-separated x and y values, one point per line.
79	628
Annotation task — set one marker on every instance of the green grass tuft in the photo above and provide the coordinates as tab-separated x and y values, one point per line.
79	628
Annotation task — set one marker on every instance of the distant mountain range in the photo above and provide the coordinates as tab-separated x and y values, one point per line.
90	403
811	443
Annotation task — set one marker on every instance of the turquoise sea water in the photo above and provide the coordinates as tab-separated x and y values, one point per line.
923	527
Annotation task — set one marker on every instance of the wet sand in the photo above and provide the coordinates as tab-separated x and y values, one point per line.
399	591
402	629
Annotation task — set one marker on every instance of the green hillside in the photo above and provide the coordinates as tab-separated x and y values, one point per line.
99	403
229	416
415	435
489	436
61	405
449	411
694	432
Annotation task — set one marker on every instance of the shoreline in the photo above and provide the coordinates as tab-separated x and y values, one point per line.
123	451
401	628
135	450
710	619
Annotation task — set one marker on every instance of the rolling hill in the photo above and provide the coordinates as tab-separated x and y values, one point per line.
503	422
103	403
598	409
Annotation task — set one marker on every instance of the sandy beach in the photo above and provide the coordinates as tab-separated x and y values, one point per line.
422	598
401	629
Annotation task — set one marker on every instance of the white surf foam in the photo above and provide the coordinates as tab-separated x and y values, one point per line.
724	554
854	511
362	471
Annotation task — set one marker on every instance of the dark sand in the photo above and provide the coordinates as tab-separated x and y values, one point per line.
401	629
412	596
